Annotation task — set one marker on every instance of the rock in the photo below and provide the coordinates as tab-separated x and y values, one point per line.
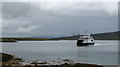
6	57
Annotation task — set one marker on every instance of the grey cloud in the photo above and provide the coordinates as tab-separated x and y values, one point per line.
14	10
27	19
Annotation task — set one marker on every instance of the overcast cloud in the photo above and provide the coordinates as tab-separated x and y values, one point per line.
58	18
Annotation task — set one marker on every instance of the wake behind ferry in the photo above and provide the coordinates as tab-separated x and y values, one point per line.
85	40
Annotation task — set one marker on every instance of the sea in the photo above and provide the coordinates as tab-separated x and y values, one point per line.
103	52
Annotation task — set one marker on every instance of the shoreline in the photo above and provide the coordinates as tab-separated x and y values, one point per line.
15	41
19	62
9	39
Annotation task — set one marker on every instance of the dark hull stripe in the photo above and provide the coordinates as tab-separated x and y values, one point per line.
84	44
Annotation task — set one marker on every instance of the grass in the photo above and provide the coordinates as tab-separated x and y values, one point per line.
26	39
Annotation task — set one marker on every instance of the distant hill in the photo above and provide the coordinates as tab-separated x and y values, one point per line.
99	36
107	36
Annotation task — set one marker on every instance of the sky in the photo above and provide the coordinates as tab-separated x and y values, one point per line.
21	19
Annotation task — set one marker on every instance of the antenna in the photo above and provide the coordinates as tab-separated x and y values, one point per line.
78	35
85	31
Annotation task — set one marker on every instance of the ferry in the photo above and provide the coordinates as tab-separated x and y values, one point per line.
85	40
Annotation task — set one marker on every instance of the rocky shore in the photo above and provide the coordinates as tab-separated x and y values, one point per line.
9	60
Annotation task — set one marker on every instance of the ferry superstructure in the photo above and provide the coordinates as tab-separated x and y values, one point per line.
85	40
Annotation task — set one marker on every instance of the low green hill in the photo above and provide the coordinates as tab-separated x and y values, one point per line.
107	36
99	36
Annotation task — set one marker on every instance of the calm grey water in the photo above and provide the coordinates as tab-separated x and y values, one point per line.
103	52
